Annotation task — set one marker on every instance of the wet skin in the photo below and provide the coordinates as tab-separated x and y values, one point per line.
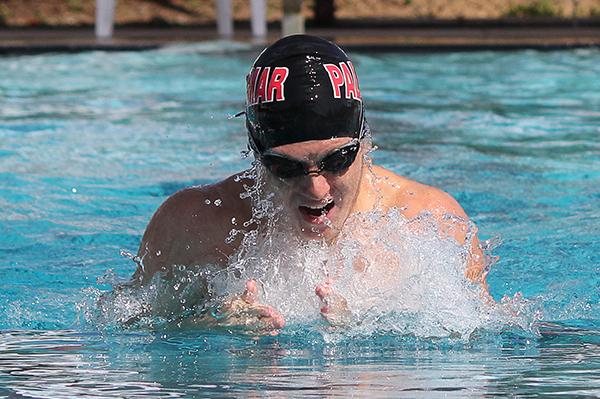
189	230
335	192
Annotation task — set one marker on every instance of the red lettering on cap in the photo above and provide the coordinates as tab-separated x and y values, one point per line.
336	79
343	75
278	78
251	81
351	65
261	89
352	90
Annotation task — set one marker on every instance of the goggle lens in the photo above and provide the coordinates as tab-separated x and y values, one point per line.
337	161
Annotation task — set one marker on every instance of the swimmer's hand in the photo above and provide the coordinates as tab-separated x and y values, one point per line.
246	314
334	307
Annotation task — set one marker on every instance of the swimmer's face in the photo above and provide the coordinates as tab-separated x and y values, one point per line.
318	204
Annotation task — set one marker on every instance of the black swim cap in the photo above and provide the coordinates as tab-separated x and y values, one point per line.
302	88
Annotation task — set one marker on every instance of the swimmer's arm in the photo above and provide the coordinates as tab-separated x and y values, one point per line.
156	245
455	222
181	232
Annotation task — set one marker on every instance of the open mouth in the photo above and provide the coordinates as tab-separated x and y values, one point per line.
316	212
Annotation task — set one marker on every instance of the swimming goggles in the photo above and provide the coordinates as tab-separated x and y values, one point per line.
337	161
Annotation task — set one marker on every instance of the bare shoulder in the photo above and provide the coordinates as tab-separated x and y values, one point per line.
191	227
414	197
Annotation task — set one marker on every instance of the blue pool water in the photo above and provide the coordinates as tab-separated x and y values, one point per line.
92	143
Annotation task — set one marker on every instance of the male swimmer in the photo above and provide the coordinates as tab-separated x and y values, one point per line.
306	127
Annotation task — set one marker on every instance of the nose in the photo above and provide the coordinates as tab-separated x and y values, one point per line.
315	186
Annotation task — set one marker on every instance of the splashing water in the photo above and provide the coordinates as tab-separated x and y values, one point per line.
397	275
512	135
393	279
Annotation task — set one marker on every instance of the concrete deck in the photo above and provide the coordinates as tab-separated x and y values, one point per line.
413	38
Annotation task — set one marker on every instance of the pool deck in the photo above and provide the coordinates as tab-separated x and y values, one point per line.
409	36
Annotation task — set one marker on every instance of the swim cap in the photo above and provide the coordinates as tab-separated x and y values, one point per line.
302	88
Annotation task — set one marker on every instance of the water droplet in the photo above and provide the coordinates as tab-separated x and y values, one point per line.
158	253
218	202
74	190
207	201
233	221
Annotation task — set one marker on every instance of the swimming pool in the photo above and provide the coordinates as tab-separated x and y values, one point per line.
92	143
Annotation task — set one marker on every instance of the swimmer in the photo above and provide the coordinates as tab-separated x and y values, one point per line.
306	128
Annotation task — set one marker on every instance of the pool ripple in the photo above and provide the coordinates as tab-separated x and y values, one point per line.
92	143
68	363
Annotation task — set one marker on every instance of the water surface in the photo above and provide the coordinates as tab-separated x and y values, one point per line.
92	143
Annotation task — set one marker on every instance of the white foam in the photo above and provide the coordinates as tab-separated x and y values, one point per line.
397	275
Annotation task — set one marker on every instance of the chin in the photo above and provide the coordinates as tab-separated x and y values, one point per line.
317	228
307	233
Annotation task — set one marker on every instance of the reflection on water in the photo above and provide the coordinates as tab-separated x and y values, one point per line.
58	364
61	364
